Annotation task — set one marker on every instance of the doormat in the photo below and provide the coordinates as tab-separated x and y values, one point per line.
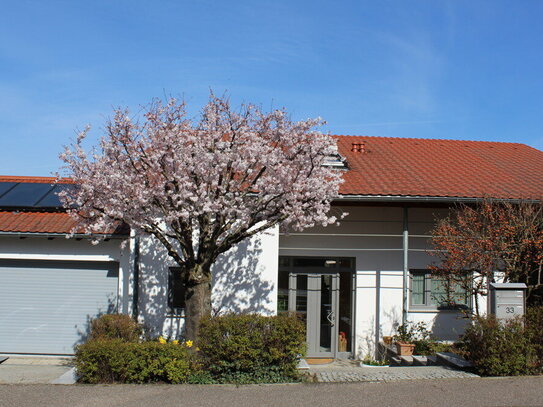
318	361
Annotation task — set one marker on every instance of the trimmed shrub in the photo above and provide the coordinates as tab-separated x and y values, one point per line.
115	326
499	348
534	329
117	361
232	349
252	348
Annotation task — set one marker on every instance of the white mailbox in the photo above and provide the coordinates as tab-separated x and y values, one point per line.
507	300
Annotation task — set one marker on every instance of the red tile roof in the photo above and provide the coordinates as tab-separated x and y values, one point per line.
46	222
386	166
441	168
37	180
30	220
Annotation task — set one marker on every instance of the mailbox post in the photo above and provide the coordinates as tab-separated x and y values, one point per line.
507	300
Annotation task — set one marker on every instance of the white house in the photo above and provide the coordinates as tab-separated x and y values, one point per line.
353	282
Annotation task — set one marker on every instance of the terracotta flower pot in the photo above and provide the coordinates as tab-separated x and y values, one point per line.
404	348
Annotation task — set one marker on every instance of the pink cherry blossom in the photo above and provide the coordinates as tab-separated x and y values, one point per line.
202	185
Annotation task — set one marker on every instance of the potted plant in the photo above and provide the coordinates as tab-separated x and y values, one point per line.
404	340
404	348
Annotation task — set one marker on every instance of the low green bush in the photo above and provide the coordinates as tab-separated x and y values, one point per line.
232	349
117	361
115	326
499	348
252	348
534	329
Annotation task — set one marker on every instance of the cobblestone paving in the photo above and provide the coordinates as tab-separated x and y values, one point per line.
350	372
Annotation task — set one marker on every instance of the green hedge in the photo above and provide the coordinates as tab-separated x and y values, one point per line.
534	330
232	349
118	361
500	348
115	326
252	348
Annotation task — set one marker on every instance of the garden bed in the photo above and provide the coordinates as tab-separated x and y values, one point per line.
238	349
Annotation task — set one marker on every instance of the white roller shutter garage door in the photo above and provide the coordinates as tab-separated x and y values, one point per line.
45	306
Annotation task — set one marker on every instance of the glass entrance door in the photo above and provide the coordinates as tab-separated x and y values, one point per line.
315	297
320	290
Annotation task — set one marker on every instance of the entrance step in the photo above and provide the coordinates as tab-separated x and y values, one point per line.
453	360
395	361
406	360
420	360
302	365
431	360
441	358
319	361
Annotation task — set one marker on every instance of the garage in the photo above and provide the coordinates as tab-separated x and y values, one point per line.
45	306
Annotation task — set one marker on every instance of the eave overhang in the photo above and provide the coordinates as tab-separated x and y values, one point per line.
425	199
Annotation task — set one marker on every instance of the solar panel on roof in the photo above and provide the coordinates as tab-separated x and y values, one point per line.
24	194
51	200
6	186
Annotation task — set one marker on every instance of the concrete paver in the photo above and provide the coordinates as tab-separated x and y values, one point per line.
350	371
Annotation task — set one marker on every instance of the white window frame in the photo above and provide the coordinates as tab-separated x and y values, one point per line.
428	304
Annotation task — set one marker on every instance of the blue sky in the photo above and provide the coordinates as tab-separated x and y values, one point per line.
432	69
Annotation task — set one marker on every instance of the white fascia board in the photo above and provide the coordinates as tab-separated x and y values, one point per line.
63	235
414	198
67	257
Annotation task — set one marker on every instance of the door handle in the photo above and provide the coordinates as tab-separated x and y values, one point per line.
331	317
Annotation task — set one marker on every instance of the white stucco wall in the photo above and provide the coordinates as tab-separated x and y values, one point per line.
244	280
379	267
60	248
245	277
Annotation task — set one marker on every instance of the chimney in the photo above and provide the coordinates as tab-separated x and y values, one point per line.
359	147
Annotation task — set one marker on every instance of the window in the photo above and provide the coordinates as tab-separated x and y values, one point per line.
334	160
176	292
432	293
282	291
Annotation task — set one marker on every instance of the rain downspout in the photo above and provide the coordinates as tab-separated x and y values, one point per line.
405	290
136	278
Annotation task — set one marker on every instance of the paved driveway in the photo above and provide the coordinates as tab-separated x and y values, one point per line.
525	391
32	370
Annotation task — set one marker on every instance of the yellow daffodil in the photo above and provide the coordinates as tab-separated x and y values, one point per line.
162	340
189	344
175	342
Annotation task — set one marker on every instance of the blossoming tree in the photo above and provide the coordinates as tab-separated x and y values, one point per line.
200	186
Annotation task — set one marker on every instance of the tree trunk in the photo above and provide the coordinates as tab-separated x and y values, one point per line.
197	304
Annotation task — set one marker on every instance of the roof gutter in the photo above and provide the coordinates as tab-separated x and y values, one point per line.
76	236
436	199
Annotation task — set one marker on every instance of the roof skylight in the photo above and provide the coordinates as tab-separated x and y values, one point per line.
334	160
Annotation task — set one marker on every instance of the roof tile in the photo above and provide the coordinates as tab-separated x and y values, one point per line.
441	168
387	167
46	222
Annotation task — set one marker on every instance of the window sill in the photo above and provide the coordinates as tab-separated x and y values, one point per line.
438	310
178	316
